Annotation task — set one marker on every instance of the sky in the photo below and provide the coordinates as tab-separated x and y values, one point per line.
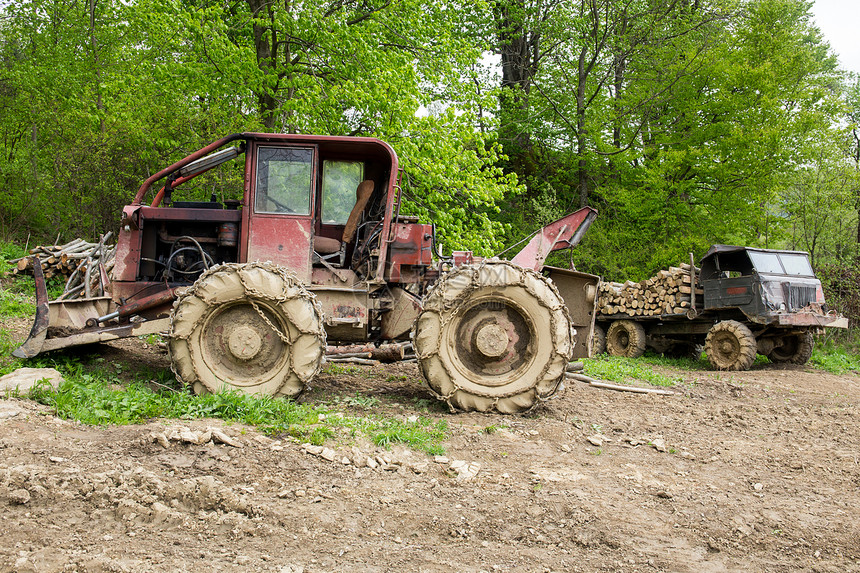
839	21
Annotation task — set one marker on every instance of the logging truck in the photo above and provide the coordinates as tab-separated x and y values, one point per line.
740	302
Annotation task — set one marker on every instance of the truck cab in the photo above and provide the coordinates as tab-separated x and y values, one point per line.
767	286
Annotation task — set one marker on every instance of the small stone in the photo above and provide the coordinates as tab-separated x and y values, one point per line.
665	494
6	414
345	461
57	459
465	470
328	454
372	463
220	436
565	448
23	379
312	449
595	440
19	496
659	444
440	459
758	486
161	438
412	419
300	493
188	436
284	493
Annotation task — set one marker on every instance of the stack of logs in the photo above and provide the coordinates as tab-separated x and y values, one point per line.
86	266
668	292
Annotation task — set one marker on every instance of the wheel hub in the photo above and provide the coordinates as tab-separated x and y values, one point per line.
726	347
244	343
492	340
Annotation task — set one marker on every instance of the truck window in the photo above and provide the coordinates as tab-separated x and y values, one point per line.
340	180
796	264
766	262
284	176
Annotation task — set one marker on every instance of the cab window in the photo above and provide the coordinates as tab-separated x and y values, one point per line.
796	264
284	177
766	262
340	180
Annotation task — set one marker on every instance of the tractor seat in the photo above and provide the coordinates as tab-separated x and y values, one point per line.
329	246
326	245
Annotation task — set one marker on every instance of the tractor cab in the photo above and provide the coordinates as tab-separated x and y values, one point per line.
318	206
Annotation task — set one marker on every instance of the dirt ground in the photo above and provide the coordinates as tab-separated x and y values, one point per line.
754	471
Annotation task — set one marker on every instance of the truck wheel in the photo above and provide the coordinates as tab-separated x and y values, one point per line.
250	327
493	337
795	349
730	345
598	341
626	338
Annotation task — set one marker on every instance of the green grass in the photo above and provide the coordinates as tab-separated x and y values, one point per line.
834	358
627	370
99	397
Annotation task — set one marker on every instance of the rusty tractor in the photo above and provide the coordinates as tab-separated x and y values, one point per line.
250	291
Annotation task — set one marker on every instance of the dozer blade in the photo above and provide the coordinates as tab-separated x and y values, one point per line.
33	345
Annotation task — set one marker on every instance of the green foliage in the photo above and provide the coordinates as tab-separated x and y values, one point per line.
625	370
835	358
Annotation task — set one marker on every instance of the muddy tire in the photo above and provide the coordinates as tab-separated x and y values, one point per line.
730	345
625	338
795	349
493	337
250	327
598	341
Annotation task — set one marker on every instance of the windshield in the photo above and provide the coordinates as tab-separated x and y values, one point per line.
796	264
284	180
766	262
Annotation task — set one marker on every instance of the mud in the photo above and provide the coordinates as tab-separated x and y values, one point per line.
752	471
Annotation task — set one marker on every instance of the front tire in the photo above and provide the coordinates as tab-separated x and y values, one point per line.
250	327
493	337
730	345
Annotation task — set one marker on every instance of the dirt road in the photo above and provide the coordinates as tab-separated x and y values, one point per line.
754	471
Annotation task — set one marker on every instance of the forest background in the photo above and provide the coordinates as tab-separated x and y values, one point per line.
684	122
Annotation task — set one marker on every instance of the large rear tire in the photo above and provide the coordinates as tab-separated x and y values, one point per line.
598	341
795	349
493	337
626	338
730	345
250	327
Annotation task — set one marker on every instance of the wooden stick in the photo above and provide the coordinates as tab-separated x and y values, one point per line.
617	387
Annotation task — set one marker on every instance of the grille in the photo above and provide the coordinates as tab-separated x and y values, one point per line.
800	296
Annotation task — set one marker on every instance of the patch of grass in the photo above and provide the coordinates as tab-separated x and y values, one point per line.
683	363
98	397
626	370
359	400
335	369
834	358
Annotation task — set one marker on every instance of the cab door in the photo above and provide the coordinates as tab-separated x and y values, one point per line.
280	206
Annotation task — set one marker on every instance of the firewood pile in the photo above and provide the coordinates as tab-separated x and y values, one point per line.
86	266
668	292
